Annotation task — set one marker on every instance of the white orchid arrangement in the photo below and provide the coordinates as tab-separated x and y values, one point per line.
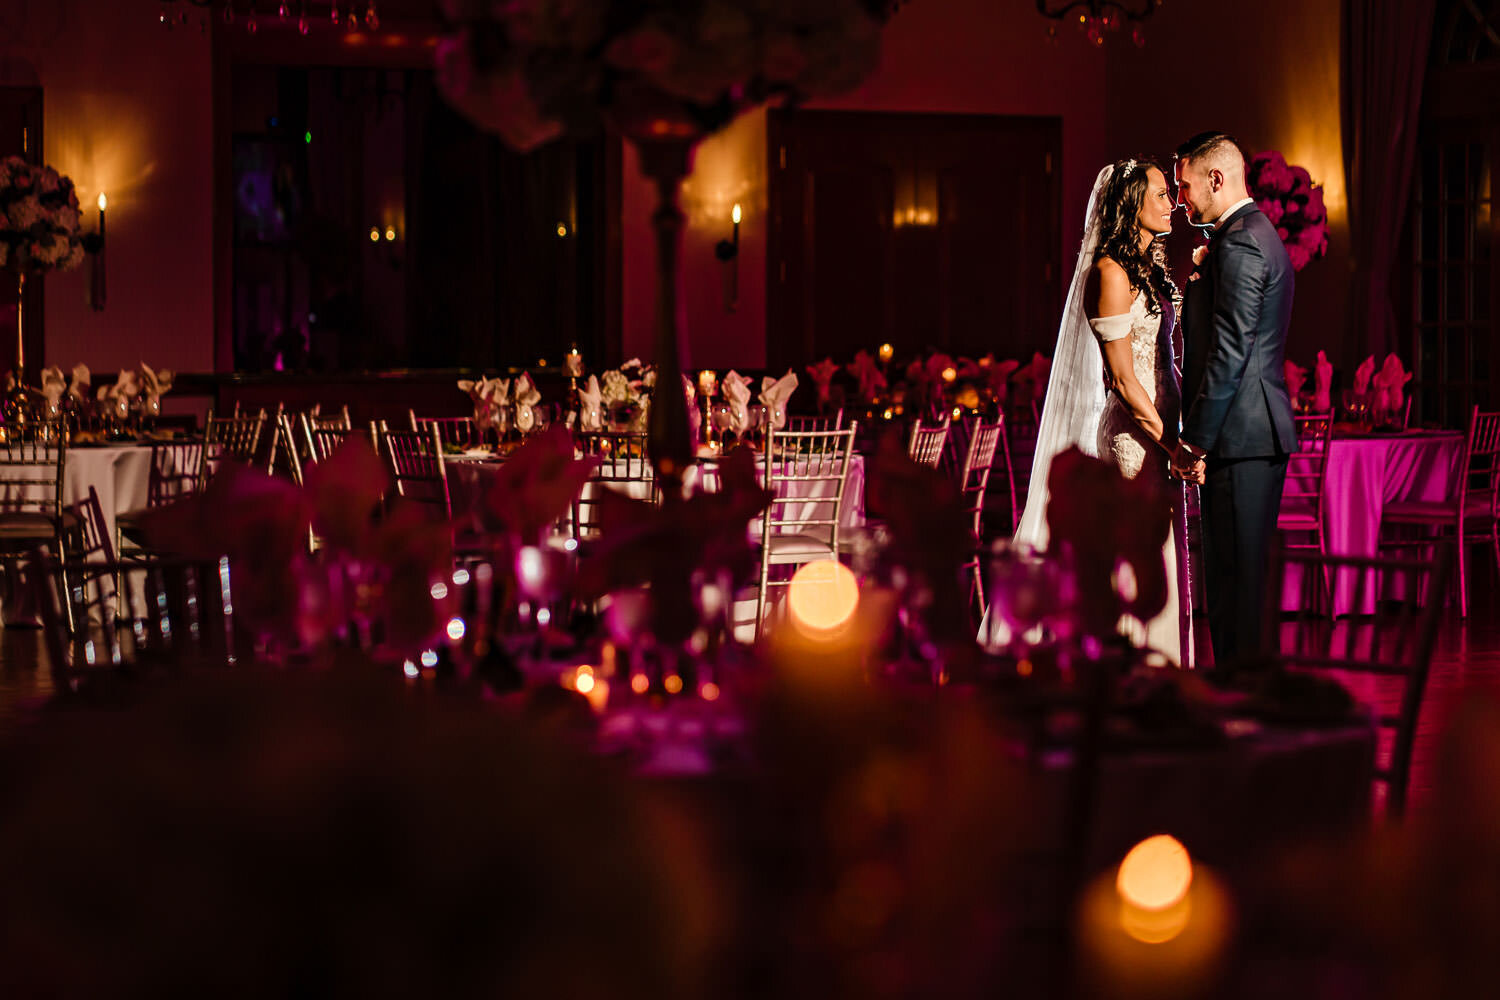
39	218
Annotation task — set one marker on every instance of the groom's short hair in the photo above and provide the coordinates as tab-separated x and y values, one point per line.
1218	148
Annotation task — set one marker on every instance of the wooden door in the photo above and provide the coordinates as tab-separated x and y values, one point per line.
926	231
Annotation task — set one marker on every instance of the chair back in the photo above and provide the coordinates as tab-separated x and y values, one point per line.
1383	657
1479	476
323	441
338	421
92	587
1307	470
31	470
416	464
825	422
236	437
176	470
806	472
925	447
986	442
1021	427
460	432
623	463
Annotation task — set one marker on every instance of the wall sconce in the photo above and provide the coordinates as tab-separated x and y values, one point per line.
728	251
93	246
390	238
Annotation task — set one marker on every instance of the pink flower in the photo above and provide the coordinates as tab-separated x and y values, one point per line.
1269	172
1273	209
499	100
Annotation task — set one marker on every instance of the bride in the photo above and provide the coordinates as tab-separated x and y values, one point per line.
1115	390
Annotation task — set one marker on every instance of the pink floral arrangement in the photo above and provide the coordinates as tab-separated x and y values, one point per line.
531	70
1293	203
38	218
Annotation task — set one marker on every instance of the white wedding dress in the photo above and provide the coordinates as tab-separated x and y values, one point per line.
1079	412
1124	444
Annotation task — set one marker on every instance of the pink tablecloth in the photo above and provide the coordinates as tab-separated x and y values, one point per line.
1365	474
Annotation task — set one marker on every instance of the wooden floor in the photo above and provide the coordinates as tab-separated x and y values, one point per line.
1467	660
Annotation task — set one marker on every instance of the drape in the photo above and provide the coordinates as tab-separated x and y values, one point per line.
1383	67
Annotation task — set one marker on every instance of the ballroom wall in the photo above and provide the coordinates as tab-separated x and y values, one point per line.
127	108
1272	80
967	56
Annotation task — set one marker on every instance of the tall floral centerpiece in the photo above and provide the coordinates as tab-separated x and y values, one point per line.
38	231
663	74
1293	203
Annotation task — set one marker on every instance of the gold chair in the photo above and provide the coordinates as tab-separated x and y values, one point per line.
458	432
623	464
985	441
925	447
819	423
416	463
1471	511
1384	658
32	460
806	473
1301	512
236	437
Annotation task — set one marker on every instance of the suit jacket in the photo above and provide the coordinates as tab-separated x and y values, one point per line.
1235	315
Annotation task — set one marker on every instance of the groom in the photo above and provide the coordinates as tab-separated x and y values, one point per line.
1238	416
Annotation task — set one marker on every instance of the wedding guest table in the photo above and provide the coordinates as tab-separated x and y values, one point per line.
1365	472
468	475
119	473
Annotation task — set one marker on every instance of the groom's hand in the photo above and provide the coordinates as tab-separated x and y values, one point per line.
1187	465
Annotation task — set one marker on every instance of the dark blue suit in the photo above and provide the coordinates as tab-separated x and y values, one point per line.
1235	314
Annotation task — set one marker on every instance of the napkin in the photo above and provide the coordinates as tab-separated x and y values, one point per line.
80	389
737	394
1295	375
54	385
153	385
775	392
695	415
488	395
822	375
869	376
1323	384
115	399
590	406
1362	375
526	398
1388	382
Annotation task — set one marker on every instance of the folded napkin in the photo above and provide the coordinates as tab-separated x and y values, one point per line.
526	398
695	415
969	368
153	385
489	396
590	406
869	376
822	375
116	399
1295	375
775	393
1362	374
1323	384
1388	382
737	395
81	390
937	365
54	385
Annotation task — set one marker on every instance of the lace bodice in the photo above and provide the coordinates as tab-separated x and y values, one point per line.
1121	439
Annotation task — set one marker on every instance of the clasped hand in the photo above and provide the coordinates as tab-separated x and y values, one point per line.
1187	467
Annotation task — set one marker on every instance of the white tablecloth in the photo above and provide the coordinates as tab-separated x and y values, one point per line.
121	474
1365	474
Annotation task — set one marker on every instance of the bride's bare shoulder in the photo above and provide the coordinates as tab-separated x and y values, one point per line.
1109	288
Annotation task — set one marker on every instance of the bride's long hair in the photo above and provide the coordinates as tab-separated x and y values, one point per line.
1120	232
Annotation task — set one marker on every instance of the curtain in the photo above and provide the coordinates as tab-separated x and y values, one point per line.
1383	66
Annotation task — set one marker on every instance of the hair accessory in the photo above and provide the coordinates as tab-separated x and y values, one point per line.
1129	167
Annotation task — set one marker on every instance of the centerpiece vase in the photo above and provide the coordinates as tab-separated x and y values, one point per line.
17	408
666	161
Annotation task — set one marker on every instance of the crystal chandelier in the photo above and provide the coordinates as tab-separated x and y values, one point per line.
351	15
1096	18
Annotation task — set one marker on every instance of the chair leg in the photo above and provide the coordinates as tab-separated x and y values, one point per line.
760	598
1463	576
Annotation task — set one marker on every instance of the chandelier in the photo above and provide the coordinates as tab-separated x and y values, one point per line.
348	14
1096	18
